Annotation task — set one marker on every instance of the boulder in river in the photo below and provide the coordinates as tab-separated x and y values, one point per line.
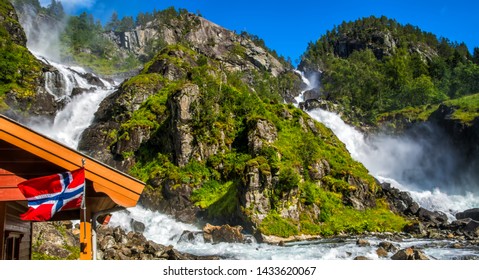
410	254
224	233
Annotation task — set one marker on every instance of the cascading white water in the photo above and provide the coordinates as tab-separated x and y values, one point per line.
78	112
399	160
388	158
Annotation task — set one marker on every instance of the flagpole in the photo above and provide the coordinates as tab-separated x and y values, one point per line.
83	202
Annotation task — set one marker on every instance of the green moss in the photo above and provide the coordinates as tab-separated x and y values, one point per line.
408	114
220	200
209	193
165	56
466	108
275	225
20	71
42	256
337	218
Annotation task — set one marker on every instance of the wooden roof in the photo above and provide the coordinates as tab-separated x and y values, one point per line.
26	154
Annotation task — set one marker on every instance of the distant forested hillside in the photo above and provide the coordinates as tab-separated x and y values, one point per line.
376	65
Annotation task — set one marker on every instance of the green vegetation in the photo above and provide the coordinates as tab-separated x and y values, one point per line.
276	225
19	67
390	67
217	180
335	217
82	33
466	108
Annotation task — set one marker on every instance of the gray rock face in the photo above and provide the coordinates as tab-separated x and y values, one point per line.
207	38
470	213
262	133
253	197
181	116
53	239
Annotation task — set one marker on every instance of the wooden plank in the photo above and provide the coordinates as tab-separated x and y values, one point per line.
3	214
121	197
11	194
8	180
25	250
13	221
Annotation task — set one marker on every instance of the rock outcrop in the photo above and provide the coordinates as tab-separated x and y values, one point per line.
236	52
470	213
55	240
115	244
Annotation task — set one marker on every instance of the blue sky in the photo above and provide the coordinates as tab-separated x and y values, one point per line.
288	26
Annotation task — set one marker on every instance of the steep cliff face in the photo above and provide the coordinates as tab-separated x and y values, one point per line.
234	51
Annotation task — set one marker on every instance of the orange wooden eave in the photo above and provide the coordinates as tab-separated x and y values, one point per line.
121	188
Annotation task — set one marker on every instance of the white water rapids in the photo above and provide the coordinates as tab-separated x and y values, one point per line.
78	113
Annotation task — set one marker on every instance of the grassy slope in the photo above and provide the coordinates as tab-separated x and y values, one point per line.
466	109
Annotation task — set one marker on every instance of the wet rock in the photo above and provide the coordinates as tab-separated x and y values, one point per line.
399	201
311	94
416	228
137	247
388	246
362	243
410	254
137	226
361	258
381	252
190	236
466	257
224	233
472	226
436	217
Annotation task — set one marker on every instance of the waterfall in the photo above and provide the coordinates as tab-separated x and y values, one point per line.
80	93
390	159
421	165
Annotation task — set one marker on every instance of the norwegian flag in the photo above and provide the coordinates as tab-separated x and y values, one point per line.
50	194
